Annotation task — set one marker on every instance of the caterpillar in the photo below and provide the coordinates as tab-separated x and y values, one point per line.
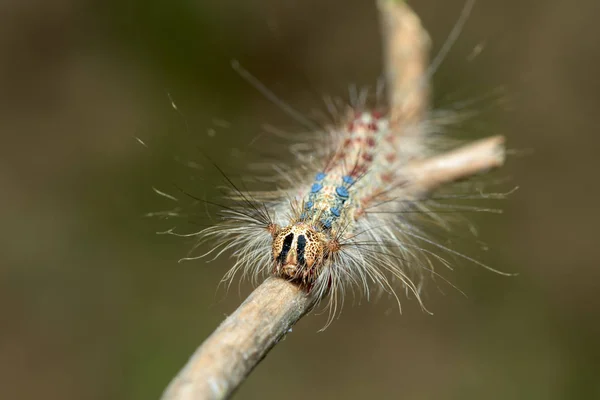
340	217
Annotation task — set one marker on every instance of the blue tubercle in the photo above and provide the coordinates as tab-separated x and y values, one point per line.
335	211
316	187
342	192
348	179
308	205
320	176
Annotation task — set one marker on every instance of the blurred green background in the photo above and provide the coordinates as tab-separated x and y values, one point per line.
93	304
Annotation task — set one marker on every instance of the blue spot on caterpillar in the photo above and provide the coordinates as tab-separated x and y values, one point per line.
341	191
316	187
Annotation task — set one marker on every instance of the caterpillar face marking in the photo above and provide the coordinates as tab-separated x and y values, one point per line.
298	253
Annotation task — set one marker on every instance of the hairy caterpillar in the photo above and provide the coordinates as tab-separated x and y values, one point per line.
343	220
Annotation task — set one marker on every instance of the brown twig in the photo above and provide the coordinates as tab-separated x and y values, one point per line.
406	57
226	358
461	163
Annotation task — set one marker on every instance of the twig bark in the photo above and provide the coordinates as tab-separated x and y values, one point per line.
224	360
406	57
472	159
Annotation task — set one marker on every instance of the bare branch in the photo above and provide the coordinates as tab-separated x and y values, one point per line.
406	56
224	360
472	159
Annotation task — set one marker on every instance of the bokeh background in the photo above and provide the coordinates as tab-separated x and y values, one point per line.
93	304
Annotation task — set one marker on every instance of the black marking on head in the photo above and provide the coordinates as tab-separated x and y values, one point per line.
301	247
287	244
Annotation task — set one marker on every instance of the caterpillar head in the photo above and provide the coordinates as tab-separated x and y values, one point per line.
298	252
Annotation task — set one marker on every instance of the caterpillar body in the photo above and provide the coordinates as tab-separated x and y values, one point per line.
338	223
341	220
362	168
